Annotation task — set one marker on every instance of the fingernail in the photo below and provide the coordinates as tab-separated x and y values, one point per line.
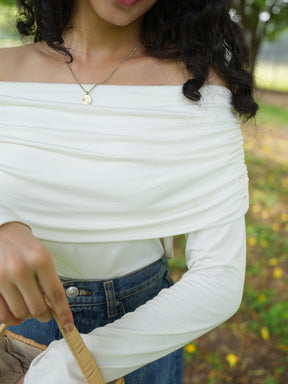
69	327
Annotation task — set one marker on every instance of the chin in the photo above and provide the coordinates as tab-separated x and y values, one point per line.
120	15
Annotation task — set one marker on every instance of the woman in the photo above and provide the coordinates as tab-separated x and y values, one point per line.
93	178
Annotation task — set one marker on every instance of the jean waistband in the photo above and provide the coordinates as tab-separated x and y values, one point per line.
86	291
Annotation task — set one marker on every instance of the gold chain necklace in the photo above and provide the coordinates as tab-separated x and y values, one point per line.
87	99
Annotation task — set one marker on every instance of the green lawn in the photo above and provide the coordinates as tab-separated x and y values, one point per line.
270	114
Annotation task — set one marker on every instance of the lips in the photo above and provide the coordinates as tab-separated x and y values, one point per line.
127	3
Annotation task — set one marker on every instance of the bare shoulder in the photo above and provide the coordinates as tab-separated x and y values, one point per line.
11	61
176	73
37	62
15	62
8	62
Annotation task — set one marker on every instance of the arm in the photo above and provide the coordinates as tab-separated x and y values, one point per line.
207	294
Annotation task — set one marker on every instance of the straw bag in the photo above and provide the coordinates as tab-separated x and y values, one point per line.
17	352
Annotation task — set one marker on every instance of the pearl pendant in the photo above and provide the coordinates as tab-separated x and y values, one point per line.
86	99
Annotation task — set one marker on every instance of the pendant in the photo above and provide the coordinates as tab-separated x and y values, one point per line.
86	99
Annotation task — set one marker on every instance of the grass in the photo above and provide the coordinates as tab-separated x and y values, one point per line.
270	114
252	347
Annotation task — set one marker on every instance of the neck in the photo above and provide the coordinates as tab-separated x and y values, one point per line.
92	37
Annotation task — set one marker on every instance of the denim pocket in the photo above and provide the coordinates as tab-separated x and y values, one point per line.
89	317
132	301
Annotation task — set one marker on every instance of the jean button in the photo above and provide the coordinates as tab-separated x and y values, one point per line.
72	292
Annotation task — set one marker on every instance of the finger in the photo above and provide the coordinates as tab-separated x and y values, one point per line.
15	302
54	291
34	299
5	314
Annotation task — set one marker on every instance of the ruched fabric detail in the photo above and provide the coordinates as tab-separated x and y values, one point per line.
141	162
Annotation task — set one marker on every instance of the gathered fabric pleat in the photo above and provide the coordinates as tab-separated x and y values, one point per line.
141	162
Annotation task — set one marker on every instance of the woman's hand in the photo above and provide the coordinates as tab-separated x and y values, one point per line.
21	381
27	277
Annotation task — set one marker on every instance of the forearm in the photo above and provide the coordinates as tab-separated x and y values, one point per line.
163	324
208	294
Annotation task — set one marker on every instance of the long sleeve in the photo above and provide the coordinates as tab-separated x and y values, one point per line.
208	294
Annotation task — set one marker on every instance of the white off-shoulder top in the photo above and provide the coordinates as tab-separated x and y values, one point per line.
139	164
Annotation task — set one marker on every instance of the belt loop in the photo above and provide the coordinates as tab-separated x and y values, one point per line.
110	299
163	245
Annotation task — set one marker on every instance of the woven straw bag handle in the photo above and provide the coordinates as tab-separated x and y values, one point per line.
3	328
81	354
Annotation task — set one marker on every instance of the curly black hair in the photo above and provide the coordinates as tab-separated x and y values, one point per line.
201	33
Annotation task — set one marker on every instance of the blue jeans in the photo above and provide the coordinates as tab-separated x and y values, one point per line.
95	303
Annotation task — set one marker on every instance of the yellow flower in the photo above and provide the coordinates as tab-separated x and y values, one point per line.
282	347
276	227
262	298
273	262
265	214
249	145
264	243
190	348
252	241
265	333
256	208
271	176
232	359
278	273
284	217
266	149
